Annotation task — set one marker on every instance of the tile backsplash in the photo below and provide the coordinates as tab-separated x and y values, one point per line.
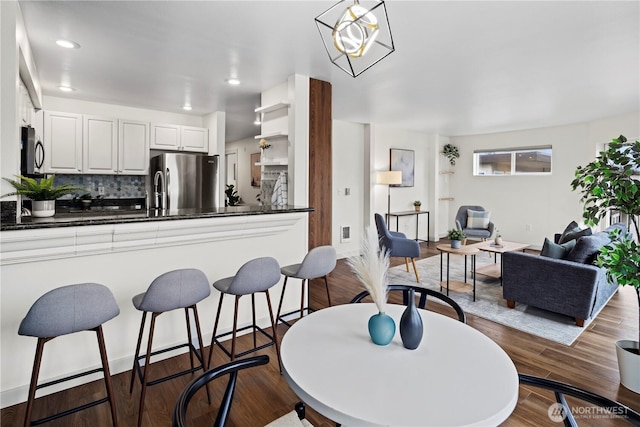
111	186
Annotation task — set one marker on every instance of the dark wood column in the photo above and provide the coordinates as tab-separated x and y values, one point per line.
320	173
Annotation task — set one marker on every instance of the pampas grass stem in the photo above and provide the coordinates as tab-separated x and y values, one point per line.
371	268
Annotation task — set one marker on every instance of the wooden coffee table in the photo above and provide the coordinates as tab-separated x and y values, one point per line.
456	285
495	270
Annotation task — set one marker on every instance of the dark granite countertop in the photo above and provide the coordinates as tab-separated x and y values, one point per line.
73	218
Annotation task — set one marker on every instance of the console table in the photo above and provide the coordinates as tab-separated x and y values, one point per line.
411	213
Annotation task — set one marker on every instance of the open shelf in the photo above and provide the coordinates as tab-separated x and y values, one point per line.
274	162
272	107
272	135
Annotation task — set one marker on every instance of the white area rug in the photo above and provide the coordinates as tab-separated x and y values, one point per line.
489	302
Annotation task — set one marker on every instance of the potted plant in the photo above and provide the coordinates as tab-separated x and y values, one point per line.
451	152
456	236
232	196
416	205
42	193
85	201
612	182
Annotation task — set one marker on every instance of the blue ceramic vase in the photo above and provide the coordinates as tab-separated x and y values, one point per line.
411	324
382	328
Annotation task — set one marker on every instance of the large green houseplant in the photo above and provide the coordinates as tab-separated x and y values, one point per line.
41	192
612	182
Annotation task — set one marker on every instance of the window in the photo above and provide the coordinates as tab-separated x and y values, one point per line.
521	161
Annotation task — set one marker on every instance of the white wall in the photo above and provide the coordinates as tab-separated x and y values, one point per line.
348	172
529	208
359	151
382	140
9	83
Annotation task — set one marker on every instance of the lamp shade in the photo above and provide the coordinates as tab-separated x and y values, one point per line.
389	177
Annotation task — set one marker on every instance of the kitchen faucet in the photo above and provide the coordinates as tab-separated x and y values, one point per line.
159	197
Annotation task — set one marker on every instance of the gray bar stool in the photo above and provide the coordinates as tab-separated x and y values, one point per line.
257	275
176	289
62	311
318	262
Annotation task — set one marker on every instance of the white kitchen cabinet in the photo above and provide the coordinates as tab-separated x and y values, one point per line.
62	142
165	137
194	139
133	147
24	106
179	138
100	145
76	143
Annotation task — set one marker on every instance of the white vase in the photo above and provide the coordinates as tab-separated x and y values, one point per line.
498	240
43	208
629	364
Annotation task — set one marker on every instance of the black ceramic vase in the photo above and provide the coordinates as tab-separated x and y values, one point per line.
411	324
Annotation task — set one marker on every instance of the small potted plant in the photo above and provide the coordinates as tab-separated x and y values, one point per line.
85	201
41	192
416	205
456	236
451	152
232	196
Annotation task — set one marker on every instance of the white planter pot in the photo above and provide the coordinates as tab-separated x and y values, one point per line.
628	364
43	208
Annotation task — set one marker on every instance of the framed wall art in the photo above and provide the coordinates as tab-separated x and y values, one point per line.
404	161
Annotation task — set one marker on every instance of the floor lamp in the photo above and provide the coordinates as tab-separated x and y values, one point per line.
389	178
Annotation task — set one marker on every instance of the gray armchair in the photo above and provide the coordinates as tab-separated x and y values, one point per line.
398	244
473	232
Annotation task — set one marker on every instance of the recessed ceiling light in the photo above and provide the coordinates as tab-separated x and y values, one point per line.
68	44
66	88
233	82
186	107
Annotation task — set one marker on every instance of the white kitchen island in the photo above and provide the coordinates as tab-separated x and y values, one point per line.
126	256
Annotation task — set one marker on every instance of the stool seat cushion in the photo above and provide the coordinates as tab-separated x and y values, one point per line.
291	270
172	290
318	262
69	309
256	275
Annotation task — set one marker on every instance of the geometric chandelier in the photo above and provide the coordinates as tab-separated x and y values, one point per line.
356	34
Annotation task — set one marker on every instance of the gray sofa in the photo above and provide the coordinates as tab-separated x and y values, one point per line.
570	285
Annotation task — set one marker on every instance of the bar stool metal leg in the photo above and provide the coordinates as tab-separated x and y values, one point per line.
107	374
34	380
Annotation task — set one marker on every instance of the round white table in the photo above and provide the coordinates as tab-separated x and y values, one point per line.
457	376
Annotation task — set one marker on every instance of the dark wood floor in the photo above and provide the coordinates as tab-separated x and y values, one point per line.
263	394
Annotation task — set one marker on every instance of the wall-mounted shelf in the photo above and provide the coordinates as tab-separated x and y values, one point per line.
272	135
447	172
272	107
273	162
446	199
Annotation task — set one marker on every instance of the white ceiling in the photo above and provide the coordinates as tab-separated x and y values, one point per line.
459	67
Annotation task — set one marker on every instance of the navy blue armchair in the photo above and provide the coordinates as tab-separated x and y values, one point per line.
398	244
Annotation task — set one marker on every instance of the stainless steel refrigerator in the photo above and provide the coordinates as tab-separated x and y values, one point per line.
182	181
